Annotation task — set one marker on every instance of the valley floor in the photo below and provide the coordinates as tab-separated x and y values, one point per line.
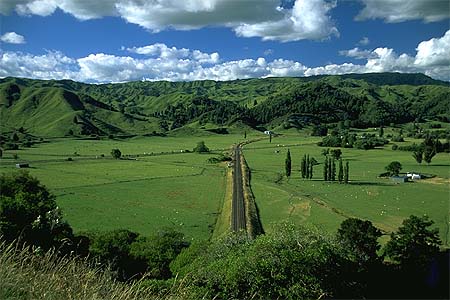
159	184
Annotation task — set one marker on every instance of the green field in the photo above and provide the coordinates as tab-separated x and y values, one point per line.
159	185
326	204
143	193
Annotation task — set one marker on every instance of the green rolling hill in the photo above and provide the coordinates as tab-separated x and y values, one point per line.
60	108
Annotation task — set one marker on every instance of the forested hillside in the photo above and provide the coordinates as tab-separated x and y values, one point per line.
60	108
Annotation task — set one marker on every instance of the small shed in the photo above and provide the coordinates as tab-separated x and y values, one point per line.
414	175
22	165
399	179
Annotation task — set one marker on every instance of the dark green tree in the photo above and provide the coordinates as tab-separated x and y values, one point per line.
325	169
115	153
112	249
28	213
307	166
414	244
418	155
333	170
336	153
381	132
360	240
310	173
158	251
201	148
394	168
288	164
330	169
15	137
303	167
245	134
270	137
346	171
428	154
340	172
1	152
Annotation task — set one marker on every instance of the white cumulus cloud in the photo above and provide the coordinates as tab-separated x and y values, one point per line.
307	19
364	41
161	50
52	65
434	52
394	11
356	53
12	38
162	62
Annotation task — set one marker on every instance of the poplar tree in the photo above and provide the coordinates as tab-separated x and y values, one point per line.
346	170
288	164
330	169
333	170
303	166
325	169
307	166
340	172
310	169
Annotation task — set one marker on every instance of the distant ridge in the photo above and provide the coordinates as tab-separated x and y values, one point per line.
65	107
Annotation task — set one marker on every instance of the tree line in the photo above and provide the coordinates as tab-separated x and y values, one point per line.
329	167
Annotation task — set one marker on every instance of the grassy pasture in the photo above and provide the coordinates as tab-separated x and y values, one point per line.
179	190
184	191
368	197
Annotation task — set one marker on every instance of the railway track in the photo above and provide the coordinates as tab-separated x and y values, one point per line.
238	221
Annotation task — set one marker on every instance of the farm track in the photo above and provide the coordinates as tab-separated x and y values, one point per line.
238	221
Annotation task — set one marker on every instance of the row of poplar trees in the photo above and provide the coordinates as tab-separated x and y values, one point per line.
306	167
329	168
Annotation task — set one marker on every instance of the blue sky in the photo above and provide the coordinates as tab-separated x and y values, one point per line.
124	40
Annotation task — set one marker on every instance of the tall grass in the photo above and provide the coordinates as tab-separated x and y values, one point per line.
26	275
254	226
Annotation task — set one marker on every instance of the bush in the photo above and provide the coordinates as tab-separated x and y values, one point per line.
398	139
115	153
294	263
11	146
394	147
201	147
28	212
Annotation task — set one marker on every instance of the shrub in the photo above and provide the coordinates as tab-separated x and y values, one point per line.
28	212
398	139
115	153
201	147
